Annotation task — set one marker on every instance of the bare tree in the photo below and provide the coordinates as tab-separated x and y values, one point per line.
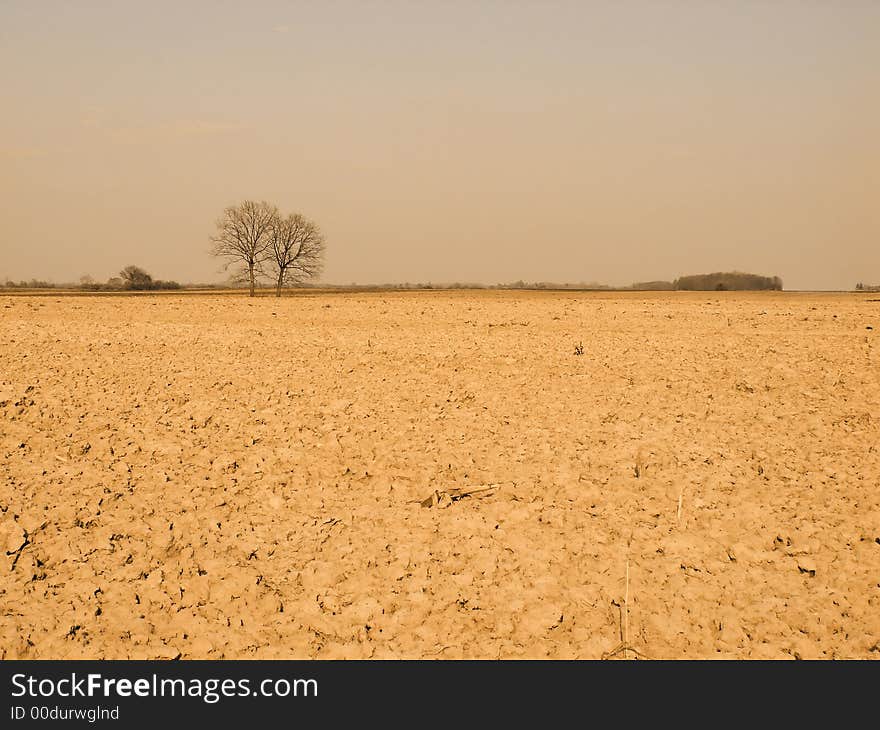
243	235
295	252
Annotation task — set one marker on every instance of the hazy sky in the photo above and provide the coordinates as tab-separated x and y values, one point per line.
447	141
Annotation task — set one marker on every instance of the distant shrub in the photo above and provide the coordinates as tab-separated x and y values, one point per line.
136	279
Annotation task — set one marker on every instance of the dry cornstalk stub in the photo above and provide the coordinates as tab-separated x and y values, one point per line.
444	498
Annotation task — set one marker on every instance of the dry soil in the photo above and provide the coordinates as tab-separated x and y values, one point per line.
212	476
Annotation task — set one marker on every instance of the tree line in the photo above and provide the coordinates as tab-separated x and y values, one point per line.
728	281
258	241
131	278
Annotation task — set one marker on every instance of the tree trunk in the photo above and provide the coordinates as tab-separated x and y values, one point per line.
279	285
251	274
